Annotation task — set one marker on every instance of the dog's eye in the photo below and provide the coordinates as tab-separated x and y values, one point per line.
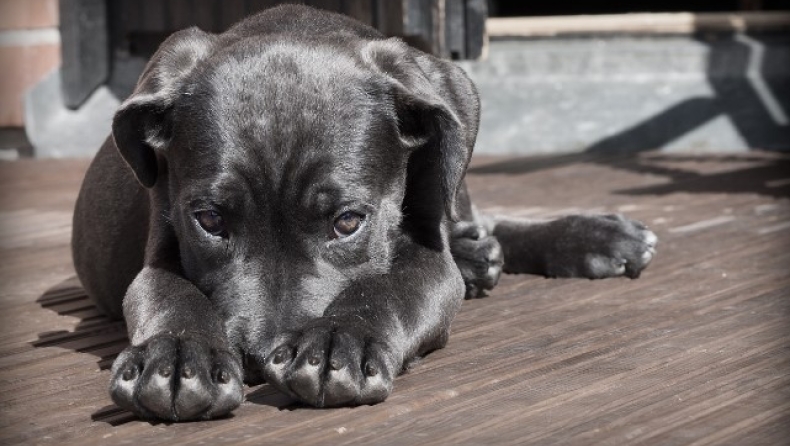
348	223
211	222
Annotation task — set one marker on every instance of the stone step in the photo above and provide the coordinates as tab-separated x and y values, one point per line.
620	93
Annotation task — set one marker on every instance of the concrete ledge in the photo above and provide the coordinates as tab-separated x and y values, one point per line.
718	92
683	23
58	132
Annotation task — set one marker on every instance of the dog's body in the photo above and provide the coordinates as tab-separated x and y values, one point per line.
285	202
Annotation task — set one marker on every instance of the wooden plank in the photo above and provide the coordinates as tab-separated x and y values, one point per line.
476	15
329	5
455	28
153	16
181	13
389	16
361	10
438	31
203	13
418	24
84	49
260	5
682	23
124	15
230	12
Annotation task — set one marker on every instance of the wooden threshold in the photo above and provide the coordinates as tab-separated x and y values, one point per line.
681	23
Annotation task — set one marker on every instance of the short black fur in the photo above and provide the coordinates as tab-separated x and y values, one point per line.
280	126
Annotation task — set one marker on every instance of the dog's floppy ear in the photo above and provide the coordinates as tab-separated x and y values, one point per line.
428	120
142	125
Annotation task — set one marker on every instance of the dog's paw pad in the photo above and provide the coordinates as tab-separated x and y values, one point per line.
478	256
613	246
650	238
176	379
331	364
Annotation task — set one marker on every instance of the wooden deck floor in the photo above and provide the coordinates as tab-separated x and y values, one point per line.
697	351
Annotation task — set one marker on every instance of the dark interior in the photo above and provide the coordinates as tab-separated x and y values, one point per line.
515	8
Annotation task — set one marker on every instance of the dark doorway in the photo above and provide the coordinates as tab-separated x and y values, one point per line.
515	8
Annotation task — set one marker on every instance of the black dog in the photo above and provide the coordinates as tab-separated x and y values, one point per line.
284	202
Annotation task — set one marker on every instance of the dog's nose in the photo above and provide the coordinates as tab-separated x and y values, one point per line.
253	363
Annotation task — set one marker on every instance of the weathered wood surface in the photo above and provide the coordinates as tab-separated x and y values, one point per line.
697	351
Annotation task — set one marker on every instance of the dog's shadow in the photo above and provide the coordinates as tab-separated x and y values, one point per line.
105	338
94	332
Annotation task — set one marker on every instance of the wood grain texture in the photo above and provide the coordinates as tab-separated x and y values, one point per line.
697	351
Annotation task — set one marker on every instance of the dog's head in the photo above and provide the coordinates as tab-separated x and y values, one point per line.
288	169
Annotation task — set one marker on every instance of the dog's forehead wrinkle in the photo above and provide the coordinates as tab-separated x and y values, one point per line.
286	93
286	106
303	181
224	190
285	74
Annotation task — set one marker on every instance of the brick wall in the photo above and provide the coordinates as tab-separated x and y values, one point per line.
29	50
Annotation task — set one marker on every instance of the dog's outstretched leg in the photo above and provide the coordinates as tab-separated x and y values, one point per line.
591	246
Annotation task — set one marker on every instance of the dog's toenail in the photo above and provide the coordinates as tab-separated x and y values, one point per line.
314	360
371	370
336	364
223	377
129	374
166	371
187	373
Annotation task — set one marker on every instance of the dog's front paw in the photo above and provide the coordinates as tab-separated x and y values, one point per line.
478	257
176	378
600	246
332	363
